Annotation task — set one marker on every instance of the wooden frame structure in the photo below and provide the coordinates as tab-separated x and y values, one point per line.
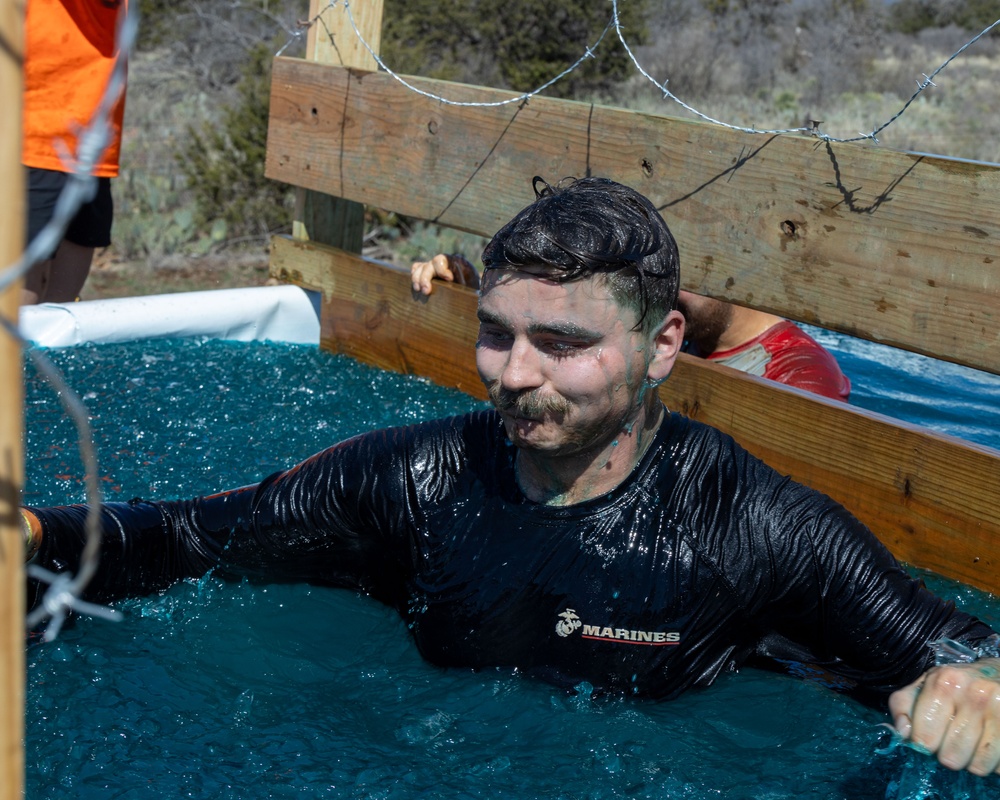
892	247
11	405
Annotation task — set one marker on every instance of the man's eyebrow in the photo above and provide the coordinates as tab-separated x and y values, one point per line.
563	328
486	318
566	329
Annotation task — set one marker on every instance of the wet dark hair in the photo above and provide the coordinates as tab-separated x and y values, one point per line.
589	227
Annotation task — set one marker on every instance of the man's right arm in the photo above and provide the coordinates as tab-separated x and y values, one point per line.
145	546
344	517
322	520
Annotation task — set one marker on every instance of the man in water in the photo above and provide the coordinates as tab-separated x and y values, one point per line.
579	531
743	338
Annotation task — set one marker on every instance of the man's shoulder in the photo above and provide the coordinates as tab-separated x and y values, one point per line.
445	456
797	359
787	334
699	449
689	430
694	444
485	423
441	447
473	430
714	472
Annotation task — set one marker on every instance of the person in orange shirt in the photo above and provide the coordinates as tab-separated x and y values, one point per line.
70	52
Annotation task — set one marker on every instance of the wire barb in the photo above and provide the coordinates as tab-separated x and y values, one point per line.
59	599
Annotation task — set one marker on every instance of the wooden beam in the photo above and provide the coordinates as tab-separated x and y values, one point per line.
930	498
11	420
893	247
332	39
369	312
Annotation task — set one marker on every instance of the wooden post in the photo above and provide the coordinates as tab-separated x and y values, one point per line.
333	40
11	404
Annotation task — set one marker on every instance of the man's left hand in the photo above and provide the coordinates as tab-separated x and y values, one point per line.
953	711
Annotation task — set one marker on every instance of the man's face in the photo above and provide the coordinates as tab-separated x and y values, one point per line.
706	319
559	360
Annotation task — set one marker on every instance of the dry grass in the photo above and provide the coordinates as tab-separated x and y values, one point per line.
954	117
228	270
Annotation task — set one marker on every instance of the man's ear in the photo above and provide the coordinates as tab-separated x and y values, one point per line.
664	346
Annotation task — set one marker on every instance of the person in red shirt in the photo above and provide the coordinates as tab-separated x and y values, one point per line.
760	344
742	338
70	52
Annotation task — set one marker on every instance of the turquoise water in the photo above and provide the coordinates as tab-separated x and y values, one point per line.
944	397
233	690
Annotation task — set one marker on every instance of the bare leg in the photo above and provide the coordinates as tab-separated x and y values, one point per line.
68	273
35	283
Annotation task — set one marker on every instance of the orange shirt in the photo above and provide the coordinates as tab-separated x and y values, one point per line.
70	51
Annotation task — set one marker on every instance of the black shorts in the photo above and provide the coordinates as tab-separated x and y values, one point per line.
91	227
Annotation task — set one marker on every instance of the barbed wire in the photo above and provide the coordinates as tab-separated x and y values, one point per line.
65	589
928	81
921	87
521	98
615	22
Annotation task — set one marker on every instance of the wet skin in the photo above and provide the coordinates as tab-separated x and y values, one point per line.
571	380
706	320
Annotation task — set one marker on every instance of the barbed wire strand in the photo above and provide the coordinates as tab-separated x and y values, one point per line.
921	87
662	87
668	95
64	589
521	98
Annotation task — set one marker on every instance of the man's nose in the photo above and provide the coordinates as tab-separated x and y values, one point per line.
523	368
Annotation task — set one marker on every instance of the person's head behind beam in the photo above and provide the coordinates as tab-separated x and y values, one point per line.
595	227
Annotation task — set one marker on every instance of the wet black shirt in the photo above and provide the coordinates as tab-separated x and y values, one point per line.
702	559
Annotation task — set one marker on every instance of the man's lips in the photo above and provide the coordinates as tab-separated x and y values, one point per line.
518	417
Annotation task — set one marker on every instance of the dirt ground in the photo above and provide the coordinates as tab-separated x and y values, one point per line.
110	277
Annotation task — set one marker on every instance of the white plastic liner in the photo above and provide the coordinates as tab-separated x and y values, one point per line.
274	313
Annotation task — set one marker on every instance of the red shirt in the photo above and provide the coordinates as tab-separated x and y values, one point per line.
787	354
70	51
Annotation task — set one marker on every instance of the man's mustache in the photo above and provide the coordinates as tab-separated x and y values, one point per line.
526	404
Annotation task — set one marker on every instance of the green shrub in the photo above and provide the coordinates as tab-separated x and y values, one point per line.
223	161
514	44
913	16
